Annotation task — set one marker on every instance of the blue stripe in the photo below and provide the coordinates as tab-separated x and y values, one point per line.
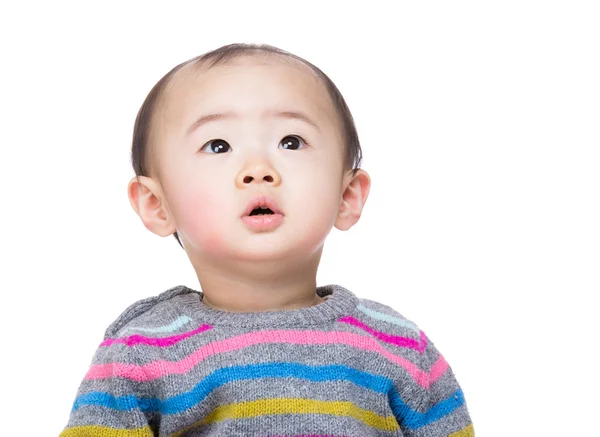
120	403
387	318
412	419
225	375
406	416
173	326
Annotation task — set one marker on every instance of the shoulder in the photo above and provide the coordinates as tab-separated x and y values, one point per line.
150	312
385	313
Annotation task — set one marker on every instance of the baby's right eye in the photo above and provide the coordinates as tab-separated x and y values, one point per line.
217	146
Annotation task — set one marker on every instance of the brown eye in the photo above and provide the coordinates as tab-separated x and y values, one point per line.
292	142
216	146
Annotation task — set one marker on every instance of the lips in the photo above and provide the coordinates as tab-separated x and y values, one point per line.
262	201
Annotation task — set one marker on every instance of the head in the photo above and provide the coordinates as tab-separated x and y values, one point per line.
239	122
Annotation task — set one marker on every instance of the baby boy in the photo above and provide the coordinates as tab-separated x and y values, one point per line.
249	156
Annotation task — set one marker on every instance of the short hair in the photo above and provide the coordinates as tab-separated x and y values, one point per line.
142	159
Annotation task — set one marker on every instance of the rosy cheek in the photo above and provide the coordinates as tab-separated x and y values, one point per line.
205	231
198	214
211	242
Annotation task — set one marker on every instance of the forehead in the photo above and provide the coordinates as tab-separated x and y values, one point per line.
248	86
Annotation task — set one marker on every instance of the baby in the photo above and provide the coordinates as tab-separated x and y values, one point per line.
249	156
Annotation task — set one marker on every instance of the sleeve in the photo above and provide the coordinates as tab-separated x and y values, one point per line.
113	399
430	402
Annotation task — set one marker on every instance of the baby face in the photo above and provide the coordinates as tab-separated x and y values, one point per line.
254	127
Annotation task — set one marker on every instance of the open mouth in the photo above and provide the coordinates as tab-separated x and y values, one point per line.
261	211
264	215
262	206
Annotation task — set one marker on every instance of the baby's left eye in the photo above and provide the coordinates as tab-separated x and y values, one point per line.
292	142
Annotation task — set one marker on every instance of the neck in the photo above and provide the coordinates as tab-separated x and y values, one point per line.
259	287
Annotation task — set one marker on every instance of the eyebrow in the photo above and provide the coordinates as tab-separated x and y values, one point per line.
290	115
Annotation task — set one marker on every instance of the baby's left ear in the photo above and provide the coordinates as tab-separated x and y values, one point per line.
353	200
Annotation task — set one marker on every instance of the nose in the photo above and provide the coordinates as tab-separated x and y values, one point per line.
258	173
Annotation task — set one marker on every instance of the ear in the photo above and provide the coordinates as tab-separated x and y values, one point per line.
145	198
353	199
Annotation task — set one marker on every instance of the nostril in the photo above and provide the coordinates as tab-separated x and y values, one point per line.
249	179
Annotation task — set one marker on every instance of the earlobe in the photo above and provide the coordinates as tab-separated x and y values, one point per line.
145	198
354	198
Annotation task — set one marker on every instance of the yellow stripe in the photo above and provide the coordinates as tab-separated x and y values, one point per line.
263	407
469	431
105	431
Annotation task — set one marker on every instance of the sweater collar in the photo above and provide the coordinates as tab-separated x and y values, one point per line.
339	302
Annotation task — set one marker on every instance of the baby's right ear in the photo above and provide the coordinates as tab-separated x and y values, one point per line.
147	200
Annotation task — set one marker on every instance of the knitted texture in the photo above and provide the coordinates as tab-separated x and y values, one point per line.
173	366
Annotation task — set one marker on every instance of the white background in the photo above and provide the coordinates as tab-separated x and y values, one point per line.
479	123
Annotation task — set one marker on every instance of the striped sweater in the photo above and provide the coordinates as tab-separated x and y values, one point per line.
173	366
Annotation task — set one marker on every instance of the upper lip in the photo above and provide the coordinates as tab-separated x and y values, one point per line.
257	201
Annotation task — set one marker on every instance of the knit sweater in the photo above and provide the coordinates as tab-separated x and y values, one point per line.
173	366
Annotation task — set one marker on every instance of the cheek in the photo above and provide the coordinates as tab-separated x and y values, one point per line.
318	206
198	211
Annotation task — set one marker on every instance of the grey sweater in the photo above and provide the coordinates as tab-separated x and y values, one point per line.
173	366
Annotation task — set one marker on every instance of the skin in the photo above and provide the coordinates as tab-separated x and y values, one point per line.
202	194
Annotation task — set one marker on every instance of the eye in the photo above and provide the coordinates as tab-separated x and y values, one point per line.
292	142
216	146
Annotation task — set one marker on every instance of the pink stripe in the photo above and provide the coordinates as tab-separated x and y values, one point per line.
437	369
132	340
388	338
158	369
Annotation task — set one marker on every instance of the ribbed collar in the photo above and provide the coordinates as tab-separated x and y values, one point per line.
339	302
